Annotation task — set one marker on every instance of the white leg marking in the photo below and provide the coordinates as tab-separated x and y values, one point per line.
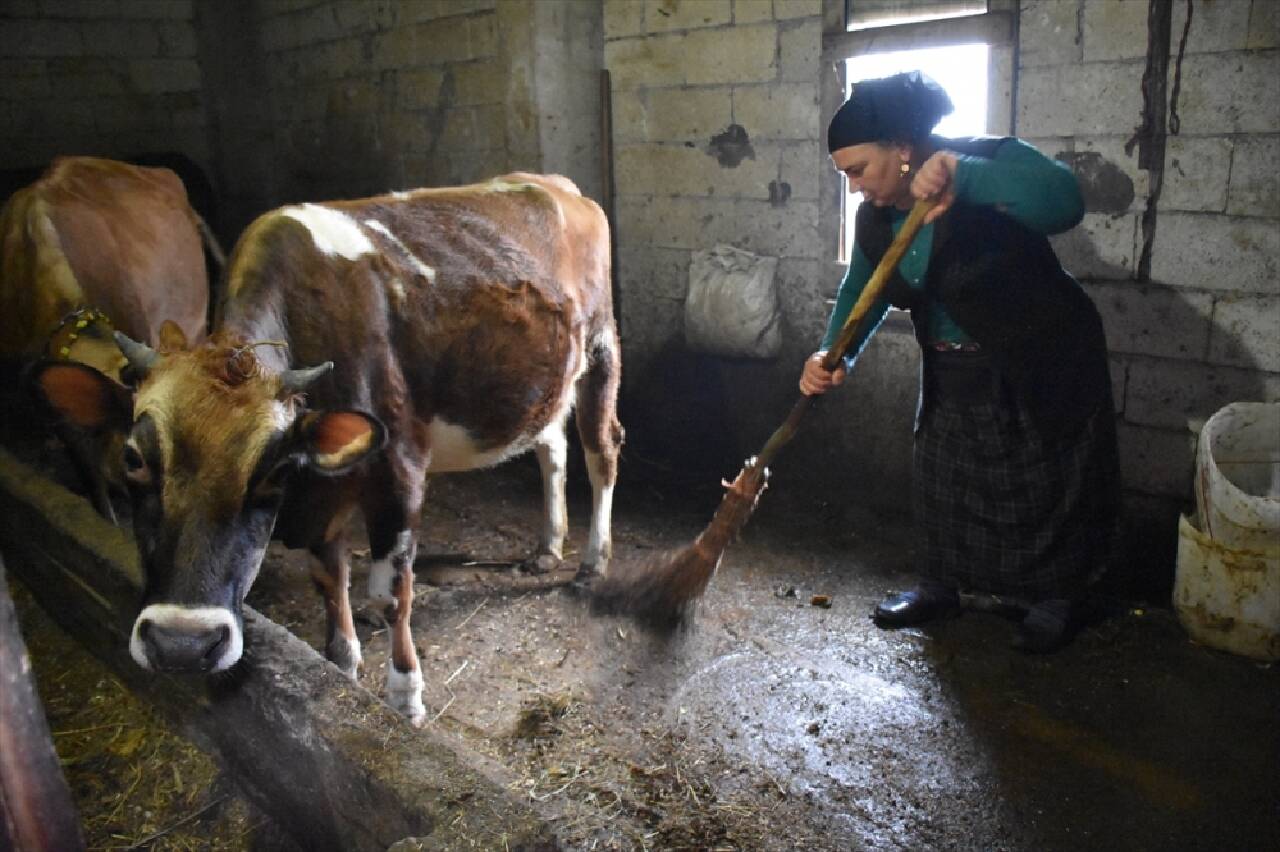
404	693
552	449
600	541
193	618
381	575
345	654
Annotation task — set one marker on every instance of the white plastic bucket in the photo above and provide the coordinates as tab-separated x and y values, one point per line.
1228	598
1227	586
1238	475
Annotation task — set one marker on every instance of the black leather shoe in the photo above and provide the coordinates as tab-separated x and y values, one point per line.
924	603
1048	627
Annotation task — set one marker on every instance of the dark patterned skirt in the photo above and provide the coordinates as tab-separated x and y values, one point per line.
1005	507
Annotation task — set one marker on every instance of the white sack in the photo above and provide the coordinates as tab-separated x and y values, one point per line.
732	307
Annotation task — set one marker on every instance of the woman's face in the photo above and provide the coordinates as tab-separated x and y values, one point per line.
875	170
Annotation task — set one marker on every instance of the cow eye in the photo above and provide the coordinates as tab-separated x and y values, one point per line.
135	468
271	487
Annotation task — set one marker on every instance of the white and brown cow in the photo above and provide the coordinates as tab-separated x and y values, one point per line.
94	245
449	328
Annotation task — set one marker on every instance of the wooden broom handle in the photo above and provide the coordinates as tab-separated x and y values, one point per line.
852	325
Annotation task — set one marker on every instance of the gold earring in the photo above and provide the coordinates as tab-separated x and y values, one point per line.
904	168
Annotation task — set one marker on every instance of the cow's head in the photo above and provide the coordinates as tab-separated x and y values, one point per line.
212	437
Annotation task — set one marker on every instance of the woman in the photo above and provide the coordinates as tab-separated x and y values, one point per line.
1015	475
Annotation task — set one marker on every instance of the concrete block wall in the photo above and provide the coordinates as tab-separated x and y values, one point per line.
346	98
332	99
716	131
1204	330
717	136
107	78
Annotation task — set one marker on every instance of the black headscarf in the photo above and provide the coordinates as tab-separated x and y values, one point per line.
901	108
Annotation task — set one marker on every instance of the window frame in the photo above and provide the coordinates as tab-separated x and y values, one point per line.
997	28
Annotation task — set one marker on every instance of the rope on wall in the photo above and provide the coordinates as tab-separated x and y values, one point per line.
1175	123
1151	134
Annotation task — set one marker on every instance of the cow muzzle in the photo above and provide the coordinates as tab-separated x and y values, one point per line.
188	640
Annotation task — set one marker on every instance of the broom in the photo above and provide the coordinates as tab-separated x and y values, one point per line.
661	590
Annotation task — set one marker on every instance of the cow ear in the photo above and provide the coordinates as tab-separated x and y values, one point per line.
80	395
172	337
335	441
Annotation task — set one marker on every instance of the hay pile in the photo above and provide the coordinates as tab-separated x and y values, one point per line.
135	784
607	796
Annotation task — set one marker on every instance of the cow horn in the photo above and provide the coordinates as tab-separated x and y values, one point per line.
296	381
141	356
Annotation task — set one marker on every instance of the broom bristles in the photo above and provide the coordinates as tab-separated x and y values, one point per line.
662	590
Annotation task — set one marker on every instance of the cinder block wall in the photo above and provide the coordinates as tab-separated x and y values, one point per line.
322	99
1202	331
288	100
101	77
716	140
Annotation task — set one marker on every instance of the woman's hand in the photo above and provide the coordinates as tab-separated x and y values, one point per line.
935	179
817	379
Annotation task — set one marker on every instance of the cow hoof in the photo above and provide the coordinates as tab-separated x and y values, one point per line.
543	563
345	655
587	574
404	694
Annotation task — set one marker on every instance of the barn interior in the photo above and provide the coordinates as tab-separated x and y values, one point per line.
778	716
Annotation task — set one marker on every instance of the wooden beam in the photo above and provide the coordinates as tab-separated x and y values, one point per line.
325	758
36	811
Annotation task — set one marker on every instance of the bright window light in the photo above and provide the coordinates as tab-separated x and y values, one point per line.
960	69
867	14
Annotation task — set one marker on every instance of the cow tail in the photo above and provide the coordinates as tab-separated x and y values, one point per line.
218	264
211	243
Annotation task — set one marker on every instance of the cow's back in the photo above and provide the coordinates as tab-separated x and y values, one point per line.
470	308
108	235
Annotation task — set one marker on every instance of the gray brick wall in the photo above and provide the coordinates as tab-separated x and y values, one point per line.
1205	330
368	97
102	77
1202	332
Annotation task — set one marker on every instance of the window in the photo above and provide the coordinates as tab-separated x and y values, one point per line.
960	69
966	45
865	14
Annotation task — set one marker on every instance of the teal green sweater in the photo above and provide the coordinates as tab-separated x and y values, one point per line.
1038	192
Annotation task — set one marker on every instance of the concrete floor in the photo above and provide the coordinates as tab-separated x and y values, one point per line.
773	724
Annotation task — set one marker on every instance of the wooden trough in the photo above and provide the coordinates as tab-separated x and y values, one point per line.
325	758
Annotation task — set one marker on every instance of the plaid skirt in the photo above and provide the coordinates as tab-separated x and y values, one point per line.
1002	506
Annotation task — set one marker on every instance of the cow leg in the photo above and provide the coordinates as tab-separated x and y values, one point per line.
391	585
551	450
389	516
602	437
331	574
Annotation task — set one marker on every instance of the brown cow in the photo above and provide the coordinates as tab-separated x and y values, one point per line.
456	326
91	246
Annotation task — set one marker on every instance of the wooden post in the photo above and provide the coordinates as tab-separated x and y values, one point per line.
36	811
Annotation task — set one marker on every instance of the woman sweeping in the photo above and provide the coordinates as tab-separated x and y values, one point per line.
1015	474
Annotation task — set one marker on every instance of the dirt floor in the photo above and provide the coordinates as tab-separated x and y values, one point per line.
770	723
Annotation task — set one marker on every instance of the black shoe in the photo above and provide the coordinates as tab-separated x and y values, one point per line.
924	603
1047	627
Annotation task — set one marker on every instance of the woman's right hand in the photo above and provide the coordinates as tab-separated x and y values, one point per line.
817	379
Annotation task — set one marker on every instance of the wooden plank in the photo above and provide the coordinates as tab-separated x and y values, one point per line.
325	758
36	811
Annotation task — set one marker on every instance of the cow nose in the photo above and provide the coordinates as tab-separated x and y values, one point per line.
183	649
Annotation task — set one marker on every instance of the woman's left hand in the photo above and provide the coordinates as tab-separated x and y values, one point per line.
935	179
